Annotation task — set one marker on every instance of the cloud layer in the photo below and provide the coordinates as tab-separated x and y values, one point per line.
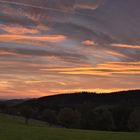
53	46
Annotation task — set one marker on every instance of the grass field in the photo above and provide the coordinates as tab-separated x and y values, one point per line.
15	129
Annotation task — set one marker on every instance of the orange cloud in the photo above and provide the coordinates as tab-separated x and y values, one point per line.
86	73
18	29
105	69
126	46
16	38
5	85
88	43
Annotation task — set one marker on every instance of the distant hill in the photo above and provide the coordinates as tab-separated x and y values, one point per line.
12	102
131	98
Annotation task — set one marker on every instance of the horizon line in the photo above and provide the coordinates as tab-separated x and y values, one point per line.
3	98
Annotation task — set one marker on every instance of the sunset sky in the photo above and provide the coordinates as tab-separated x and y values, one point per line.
49	47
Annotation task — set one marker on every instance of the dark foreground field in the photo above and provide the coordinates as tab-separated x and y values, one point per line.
15	129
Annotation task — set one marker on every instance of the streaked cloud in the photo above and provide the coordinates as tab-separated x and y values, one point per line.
126	46
18	30
88	4
113	53
49	38
106	69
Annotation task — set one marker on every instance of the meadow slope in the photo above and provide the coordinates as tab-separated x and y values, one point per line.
15	129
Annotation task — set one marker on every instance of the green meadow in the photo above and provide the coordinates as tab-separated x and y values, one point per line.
14	129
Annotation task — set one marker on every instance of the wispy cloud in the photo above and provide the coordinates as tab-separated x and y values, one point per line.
18	29
88	4
106	69
16	38
126	46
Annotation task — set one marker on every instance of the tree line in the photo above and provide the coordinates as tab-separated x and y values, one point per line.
109	112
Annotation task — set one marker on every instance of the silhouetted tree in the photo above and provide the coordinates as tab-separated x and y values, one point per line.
134	120
49	116
27	113
3	107
69	118
86	110
121	115
103	119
